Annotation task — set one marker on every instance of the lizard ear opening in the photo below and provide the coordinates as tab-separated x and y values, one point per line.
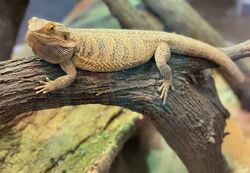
65	35
68	42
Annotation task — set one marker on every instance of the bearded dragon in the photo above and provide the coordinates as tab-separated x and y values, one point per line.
109	50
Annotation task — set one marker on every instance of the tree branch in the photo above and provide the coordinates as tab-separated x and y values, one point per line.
12	12
125	12
186	128
192	122
238	51
180	17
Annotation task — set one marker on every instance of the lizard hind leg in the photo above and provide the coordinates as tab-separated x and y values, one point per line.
162	55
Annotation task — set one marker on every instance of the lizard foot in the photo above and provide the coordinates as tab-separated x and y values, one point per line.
47	86
164	90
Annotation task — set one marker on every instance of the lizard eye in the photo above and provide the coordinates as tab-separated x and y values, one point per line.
51	27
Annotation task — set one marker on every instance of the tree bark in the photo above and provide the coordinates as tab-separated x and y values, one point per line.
178	16
12	12
126	13
116	8
192	122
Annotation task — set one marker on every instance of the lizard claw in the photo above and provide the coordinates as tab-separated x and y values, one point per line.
164	90
172	87
45	87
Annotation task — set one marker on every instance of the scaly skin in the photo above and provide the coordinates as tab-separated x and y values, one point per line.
108	50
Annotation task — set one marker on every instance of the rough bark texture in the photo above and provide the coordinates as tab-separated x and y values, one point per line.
180	17
179	22
239	51
192	122
12	12
125	12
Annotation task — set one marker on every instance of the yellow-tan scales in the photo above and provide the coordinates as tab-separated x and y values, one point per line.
107	50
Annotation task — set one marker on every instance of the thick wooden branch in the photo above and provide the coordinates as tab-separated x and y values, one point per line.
238	51
12	12
130	16
177	16
180	17
192	121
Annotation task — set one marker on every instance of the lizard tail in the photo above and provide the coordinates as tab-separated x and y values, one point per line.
188	46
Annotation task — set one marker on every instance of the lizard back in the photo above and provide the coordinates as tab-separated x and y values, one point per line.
106	50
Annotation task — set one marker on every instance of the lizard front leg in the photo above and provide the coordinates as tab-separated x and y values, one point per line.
162	55
61	82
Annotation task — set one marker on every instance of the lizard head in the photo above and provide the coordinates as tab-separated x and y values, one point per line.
50	40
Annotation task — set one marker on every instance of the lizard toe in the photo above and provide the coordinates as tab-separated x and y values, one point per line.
164	91
45	87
